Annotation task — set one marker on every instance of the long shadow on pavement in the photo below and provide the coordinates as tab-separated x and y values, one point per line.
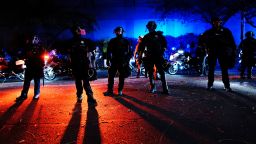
187	125
18	131
71	132
9	113
243	127
235	96
190	124
238	98
169	130
234	112
92	130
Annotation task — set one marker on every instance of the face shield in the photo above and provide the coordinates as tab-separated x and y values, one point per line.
216	22
151	25
119	30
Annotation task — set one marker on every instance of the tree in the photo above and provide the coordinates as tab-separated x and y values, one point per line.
206	9
219	8
248	7
52	15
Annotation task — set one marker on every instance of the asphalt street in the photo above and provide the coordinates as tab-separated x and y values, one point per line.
188	115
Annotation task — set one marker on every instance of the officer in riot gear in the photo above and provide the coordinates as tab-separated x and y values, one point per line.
153	46
80	64
33	52
118	56
248	49
220	46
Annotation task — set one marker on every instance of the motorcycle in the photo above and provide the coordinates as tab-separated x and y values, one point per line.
60	65
49	73
134	67
56	64
181	61
9	70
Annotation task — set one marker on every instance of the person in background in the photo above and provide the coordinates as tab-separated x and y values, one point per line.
201	55
34	67
220	46
136	56
80	64
119	54
248	48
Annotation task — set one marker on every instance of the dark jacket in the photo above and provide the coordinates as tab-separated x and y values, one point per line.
34	59
153	46
119	51
220	42
79	60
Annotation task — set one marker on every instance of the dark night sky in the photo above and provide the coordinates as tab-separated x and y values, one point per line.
102	16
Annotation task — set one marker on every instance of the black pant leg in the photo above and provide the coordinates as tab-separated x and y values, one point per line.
212	63
121	78
162	74
224	71
87	87
79	87
111	75
26	84
36	85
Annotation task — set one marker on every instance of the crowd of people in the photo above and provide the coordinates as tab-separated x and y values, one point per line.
217	42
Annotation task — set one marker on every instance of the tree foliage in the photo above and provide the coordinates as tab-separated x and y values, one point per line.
210	8
52	15
249	11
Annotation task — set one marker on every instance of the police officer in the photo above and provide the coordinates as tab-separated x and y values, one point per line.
80	64
34	67
220	46
153	46
248	47
118	56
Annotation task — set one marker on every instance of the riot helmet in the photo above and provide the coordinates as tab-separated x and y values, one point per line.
119	29
216	22
216	19
249	34
151	25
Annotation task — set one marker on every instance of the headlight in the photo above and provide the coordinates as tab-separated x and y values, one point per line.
180	51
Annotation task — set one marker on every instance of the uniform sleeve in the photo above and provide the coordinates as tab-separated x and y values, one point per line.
129	50
141	48
205	40
109	49
231	41
233	45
